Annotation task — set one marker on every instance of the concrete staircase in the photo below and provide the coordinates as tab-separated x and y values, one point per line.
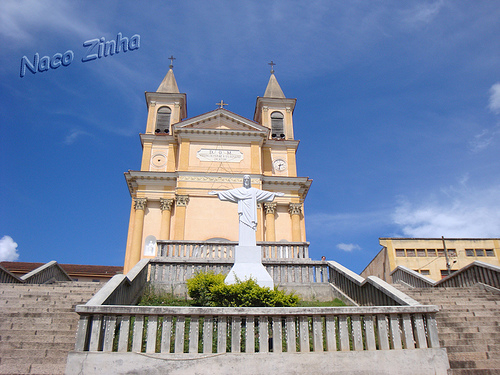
38	325
468	325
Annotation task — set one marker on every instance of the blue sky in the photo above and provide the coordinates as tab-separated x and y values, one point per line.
398	113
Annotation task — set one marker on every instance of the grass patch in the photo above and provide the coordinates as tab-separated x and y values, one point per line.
335	303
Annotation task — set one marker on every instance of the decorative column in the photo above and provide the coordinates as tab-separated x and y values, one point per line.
166	211
270	228
181	202
295	210
140	207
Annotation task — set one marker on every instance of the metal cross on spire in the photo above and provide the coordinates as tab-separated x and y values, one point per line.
171	58
272	66
221	104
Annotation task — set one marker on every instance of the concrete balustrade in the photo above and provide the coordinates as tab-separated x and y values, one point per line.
476	272
225	249
255	329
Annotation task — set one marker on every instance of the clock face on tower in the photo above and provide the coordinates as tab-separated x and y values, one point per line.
279	165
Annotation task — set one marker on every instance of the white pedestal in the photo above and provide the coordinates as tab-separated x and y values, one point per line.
248	264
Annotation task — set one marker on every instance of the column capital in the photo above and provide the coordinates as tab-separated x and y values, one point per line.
295	208
140	203
270	208
166	204
181	200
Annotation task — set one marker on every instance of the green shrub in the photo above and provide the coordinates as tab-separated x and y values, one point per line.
209	289
199	287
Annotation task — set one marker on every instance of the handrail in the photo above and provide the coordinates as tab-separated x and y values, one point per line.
123	289
476	272
473	273
412	278
47	273
371	291
198	330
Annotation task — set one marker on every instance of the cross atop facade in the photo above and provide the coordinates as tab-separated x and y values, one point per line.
272	66
221	104
171	58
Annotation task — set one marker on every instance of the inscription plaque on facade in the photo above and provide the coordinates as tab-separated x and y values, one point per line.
229	156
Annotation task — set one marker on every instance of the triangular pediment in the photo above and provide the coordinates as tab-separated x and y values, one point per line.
220	119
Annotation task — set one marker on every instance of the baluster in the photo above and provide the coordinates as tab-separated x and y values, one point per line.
383	332
344	333
304	334
137	338
250	335
369	333
81	333
207	334
408	332
432	331
95	333
179	334
236	334
420	330
194	325
109	333
357	338
263	335
291	336
151	334
124	333
277	335
222	334
166	334
317	334
395	332
331	337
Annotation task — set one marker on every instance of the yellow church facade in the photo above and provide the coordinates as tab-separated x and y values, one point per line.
185	158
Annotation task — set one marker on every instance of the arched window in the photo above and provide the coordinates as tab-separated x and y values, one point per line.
163	120
277	125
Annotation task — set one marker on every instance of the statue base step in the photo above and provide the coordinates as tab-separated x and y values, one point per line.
248	264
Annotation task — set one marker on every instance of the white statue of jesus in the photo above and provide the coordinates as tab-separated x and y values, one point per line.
247	198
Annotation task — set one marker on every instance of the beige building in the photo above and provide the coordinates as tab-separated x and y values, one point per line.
429	256
185	158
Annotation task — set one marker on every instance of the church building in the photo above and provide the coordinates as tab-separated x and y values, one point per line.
183	159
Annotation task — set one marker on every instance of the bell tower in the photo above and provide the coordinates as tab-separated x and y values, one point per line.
275	112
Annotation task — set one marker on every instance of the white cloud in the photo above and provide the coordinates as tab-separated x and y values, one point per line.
23	20
348	247
422	13
458	213
8	249
72	137
494	103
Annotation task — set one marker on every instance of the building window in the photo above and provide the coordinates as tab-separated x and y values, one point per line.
480	252
431	252
421	252
410	253
163	120
277	125
400	253
469	252
490	253
96	280
425	272
440	252
452	252
445	273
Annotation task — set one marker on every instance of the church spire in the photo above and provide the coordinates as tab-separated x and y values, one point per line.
169	84
273	89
